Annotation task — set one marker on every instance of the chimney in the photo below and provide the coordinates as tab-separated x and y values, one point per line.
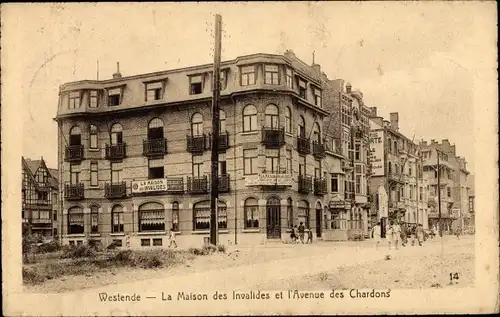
317	69
117	74
348	87
394	117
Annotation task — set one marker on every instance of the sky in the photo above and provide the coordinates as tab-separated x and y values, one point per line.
416	59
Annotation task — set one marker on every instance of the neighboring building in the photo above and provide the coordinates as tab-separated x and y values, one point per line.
39	198
396	165
134	154
461	191
472	203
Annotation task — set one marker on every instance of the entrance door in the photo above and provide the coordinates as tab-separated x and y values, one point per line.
319	217
273	211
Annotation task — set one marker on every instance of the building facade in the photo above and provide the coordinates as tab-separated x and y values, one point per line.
472	203
396	166
134	154
39	198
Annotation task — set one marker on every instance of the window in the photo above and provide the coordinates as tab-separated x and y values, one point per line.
335	183
317	97
155	129
71	242
118	242
289	78
117	219
288	120
201	215
289	212
251	210
75	220
116	134
75	137
197	165
317	133
222	215
302	165
357	154
271	74
304	213
93	137
93	99
272	163
93	174
250	161
448	190
358	184
222	164
116	169
302	89
197	124
247	75
114	97
94	219
151	217
271	116
222	121
74	100
249	118
54	213
156	169
175	216
302	127
289	162
154	91
157	242
195	85
145	242
74	170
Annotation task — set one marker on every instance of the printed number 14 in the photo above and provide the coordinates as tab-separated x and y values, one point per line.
453	276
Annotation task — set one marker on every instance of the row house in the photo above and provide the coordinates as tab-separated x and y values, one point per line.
39	194
134	154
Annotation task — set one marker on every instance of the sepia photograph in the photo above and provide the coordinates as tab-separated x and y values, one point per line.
249	158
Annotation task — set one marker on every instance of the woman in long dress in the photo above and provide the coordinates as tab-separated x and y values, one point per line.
388	234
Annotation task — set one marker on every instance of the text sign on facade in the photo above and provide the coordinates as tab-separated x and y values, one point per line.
377	153
150	185
269	180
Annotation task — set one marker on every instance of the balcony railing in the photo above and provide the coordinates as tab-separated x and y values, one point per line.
224	141
305	184
224	183
318	149
197	185
153	147
74	153
73	191
320	187
395	176
116	151
273	137
197	144
118	190
303	145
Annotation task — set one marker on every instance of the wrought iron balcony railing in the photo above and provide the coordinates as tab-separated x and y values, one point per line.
153	147
224	141
197	185
305	184
197	144
74	153
118	190
273	137
74	191
116	151
303	145
318	149
320	187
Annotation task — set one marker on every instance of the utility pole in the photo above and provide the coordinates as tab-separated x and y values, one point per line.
439	194
214	188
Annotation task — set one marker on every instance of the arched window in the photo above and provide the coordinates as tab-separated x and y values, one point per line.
289	212
395	147
155	129
390	168
93	136
197	124
396	169
249	118
75	220
151	217
302	127
94	219
116	134
251	211
304	213
201	215
175	216
317	133
75	136
390	145
117	219
272	117
222	121
288	120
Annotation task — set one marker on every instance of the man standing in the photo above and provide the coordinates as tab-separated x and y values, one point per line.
377	234
172	238
420	234
301	232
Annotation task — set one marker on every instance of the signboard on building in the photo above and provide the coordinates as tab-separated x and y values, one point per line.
269	180
377	153
382	203
150	185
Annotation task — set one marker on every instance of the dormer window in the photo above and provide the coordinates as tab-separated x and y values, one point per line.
302	89
195	85
154	91
93	101
271	75
317	97
114	97
247	75
74	100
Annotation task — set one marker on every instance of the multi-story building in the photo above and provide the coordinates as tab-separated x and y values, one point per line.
396	166
134	154
39	198
472	203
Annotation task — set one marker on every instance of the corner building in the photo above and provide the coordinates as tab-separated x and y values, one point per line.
134	154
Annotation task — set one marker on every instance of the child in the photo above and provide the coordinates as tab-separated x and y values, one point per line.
172	238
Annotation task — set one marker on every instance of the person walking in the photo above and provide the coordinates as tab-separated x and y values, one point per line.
389	234
293	234
377	234
396	234
309	236
301	232
172	238
419	231
404	234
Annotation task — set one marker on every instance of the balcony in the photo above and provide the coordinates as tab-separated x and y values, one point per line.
73	191
118	190
74	153
318	150
197	185
154	147
224	141
397	205
273	137
305	184
175	185
116	151
224	183
395	177
303	145
320	187
197	144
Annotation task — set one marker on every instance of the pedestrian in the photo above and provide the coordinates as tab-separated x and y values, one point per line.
309	236
396	234
172	238
404	234
301	232
419	231
389	234
376	234
457	232
293	234
413	233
